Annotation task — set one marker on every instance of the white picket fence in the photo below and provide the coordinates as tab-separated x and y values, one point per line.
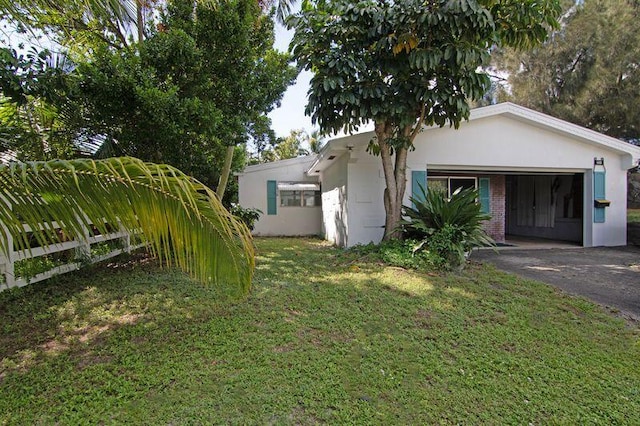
82	248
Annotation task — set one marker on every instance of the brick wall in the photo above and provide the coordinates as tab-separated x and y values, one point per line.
495	227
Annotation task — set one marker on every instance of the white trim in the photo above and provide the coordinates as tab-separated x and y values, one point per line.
298	186
277	164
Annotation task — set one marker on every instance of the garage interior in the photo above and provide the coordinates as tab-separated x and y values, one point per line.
547	206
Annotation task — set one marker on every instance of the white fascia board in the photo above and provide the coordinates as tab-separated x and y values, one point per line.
278	164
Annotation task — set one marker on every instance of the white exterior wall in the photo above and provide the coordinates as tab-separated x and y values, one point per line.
503	143
506	144
334	202
366	198
498	144
289	221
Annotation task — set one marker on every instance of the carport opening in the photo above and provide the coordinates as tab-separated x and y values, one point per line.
545	206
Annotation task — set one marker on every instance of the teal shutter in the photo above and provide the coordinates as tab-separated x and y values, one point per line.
484	195
272	190
598	194
418	178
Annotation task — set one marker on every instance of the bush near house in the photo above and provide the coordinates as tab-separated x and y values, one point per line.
447	227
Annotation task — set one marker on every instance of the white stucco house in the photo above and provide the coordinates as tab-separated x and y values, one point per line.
537	176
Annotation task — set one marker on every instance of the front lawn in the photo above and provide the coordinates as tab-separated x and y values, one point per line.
633	215
324	337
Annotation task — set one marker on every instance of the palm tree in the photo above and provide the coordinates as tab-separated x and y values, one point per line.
315	141
182	220
116	16
283	8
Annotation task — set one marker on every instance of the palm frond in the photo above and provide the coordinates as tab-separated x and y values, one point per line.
181	219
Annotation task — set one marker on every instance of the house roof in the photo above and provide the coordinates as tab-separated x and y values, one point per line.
277	164
341	145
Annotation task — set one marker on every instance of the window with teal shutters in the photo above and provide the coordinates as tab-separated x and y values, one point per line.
418	178
598	194
272	191
484	195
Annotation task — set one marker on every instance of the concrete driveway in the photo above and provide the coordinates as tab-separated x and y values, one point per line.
609	276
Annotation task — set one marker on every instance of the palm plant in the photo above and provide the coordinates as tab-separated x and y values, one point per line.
450	226
181	219
316	141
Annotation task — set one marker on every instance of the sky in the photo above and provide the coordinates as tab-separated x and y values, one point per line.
290	115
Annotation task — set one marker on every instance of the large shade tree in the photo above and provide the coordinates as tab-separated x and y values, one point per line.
587	72
405	64
199	86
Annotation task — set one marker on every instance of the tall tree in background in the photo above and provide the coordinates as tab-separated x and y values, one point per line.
316	141
79	25
588	71
404	64
32	126
198	88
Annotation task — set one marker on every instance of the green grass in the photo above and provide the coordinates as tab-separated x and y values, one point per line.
633	215
324	337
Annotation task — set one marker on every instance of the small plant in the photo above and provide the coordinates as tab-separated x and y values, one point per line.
247	215
447	227
105	247
29	268
396	253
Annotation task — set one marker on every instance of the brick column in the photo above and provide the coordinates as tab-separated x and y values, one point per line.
496	226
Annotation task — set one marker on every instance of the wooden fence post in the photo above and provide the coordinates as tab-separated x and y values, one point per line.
7	260
83	251
126	240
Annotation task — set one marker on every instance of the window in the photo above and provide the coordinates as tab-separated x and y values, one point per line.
299	194
451	183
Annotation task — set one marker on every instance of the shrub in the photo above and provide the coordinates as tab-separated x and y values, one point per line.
447	227
248	216
395	253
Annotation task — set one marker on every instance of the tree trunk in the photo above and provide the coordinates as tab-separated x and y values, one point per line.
226	171
395	176
140	20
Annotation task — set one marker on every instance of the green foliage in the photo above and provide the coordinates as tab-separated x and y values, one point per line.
321	340
284	148
248	215
392	61
449	227
29	268
79	25
154	105
204	81
405	64
105	247
180	218
31	126
395	252
586	72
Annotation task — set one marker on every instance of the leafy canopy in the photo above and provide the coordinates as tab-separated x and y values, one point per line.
587	72
397	61
205	80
